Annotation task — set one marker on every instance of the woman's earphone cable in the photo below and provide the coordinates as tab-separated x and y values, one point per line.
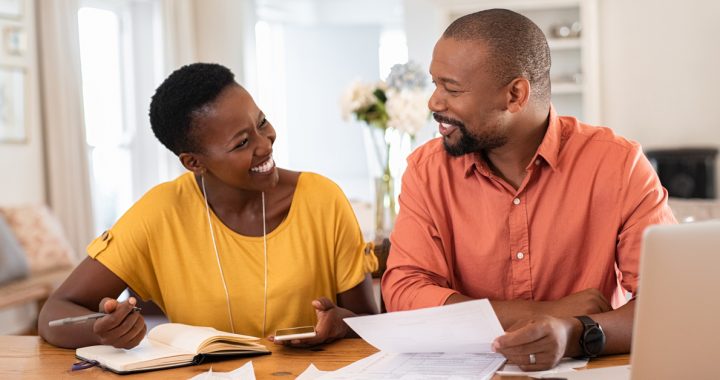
217	257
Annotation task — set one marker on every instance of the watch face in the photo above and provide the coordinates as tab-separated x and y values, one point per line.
594	341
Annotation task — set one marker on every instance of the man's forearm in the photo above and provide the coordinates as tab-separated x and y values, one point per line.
508	312
618	326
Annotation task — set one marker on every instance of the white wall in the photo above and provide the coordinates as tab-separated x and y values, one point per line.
660	66
23	162
321	62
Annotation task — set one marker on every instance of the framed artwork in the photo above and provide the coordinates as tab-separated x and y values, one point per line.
12	105
14	40
11	8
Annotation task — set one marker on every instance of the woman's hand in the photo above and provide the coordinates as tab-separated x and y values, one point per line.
330	325
122	327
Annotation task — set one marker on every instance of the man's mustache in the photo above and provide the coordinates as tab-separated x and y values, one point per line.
446	120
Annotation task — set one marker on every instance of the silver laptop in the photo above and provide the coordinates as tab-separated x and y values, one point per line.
676	333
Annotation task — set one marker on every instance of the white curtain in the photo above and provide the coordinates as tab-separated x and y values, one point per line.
65	148
178	34
177	38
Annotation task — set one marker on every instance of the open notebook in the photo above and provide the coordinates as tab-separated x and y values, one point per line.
172	345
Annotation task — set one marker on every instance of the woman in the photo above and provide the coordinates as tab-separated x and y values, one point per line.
236	243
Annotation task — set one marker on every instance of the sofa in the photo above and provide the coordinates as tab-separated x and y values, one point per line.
35	257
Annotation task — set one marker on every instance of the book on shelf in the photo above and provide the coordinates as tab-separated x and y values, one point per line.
172	345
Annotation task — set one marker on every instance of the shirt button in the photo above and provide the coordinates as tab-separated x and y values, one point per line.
520	255
516	201
537	162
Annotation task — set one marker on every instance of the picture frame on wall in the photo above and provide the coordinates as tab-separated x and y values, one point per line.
11	8
14	40
12	105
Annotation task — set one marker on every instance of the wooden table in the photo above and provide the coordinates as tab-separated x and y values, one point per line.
29	357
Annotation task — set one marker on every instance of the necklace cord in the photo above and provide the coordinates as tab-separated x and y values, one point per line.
217	257
266	263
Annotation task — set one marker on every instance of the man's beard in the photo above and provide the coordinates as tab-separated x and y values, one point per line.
469	143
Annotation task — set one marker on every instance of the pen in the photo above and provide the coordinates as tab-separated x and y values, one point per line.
81	318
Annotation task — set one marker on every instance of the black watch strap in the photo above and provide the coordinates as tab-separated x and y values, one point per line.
592	339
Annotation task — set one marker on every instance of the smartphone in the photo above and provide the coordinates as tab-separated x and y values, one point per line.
301	332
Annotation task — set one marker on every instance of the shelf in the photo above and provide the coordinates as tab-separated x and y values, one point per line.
566	88
564	43
575	59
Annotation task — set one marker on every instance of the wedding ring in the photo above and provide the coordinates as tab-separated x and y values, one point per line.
532	358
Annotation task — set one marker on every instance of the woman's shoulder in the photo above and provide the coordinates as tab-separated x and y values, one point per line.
169	194
318	185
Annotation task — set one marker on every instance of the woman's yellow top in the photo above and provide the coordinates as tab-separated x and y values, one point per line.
163	250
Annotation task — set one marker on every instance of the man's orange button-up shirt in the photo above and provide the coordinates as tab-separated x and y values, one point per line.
575	222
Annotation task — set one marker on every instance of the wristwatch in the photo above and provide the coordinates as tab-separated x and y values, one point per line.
592	339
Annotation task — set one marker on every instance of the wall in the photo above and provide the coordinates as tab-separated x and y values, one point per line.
319	67
22	162
660	71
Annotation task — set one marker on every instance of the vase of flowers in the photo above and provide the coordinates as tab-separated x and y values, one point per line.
394	111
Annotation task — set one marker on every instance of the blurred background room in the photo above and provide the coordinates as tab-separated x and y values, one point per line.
76	78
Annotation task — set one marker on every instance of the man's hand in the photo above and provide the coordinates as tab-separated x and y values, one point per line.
545	338
122	327
588	301
330	325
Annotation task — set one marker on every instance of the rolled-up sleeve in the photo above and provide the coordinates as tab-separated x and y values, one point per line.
644	204
417	271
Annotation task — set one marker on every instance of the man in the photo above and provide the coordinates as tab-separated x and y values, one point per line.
539	213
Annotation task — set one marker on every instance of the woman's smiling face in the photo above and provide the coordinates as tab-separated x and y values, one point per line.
235	140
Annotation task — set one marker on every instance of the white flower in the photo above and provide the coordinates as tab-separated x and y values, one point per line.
357	97
407	110
406	76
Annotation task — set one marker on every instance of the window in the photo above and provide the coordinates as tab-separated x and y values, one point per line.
108	130
393	50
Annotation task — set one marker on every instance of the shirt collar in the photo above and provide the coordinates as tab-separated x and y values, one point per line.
549	149
551	144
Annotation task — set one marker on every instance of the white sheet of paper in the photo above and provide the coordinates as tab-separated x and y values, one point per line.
566	364
246	372
421	366
311	373
459	328
621	372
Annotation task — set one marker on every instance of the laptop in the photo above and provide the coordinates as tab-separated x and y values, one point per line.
676	334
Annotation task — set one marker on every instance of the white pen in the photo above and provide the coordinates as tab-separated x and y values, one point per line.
81	318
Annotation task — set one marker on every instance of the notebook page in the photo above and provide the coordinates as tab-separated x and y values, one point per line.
191	338
146	354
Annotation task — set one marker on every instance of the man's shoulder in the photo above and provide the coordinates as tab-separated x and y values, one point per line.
429	154
593	134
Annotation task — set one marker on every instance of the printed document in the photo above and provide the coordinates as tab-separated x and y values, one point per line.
446	342
459	328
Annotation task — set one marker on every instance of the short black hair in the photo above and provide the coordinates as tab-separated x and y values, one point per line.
517	46
186	91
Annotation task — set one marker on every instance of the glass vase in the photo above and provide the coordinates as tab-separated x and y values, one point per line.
384	206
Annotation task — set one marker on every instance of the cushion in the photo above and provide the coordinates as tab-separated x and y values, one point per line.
40	236
13	264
